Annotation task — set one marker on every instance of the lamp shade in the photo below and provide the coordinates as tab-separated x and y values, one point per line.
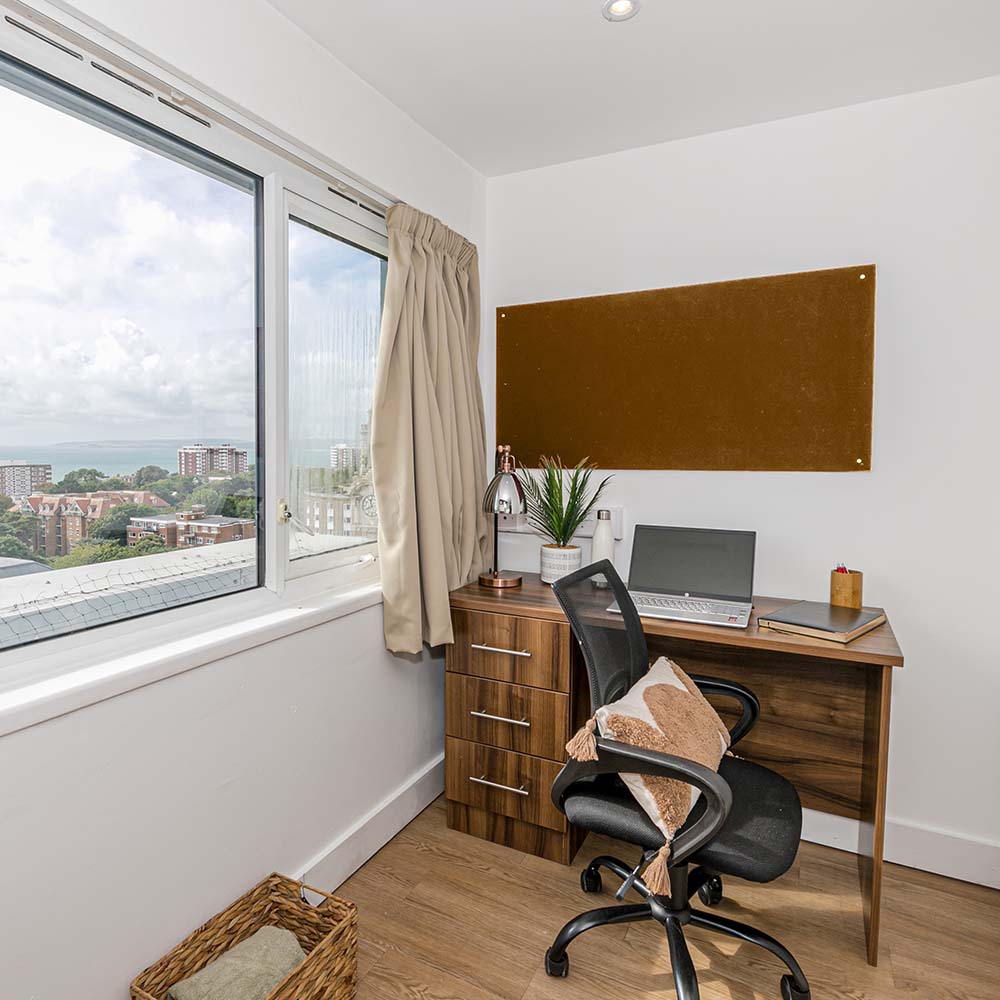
504	495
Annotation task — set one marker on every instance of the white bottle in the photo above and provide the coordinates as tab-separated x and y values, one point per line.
604	544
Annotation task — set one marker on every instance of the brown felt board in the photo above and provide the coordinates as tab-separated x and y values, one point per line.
767	373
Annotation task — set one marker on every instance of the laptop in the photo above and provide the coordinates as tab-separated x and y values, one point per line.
692	574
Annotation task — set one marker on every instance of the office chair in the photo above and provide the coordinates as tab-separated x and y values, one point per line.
746	822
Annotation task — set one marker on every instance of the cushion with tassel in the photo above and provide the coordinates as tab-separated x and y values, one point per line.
663	711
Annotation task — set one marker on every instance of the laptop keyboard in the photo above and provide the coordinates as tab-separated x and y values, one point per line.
686	604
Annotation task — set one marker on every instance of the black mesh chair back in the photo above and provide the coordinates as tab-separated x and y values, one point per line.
613	643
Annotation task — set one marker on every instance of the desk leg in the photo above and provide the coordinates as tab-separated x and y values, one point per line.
873	785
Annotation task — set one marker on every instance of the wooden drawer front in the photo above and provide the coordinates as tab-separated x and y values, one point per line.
506	648
524	719
519	784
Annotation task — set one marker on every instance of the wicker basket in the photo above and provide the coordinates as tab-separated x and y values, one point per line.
328	934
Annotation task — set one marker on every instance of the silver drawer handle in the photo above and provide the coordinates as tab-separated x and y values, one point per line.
499	718
497	649
503	788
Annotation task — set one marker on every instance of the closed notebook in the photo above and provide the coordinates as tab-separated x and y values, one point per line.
823	621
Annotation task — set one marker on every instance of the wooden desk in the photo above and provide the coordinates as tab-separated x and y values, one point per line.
824	721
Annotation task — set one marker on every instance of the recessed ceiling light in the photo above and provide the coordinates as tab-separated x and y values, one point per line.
620	10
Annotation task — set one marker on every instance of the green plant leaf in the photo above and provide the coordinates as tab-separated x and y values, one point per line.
557	507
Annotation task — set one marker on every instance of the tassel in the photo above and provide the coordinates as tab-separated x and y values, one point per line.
657	874
583	746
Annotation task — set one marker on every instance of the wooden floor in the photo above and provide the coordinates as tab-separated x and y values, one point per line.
443	915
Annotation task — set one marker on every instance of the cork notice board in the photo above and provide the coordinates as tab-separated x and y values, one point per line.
761	374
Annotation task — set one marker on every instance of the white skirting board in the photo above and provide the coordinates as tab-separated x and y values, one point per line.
939	851
352	849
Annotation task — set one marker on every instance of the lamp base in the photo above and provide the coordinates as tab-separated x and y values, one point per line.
502	579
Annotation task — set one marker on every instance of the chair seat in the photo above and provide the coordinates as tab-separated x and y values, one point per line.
757	842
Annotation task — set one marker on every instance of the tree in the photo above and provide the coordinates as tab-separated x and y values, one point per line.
149	474
208	498
24	527
242	485
173	489
81	481
148	546
114	524
237	506
12	547
6	502
88	552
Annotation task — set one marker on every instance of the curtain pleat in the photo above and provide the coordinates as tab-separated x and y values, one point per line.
428	429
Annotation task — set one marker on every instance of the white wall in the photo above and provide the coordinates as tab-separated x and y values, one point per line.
125	824
911	185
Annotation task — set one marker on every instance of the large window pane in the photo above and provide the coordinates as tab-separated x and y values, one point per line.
128	352
335	306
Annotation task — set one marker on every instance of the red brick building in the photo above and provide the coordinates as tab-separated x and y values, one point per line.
201	459
190	529
64	519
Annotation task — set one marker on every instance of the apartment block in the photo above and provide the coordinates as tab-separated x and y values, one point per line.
19	478
64	520
201	459
345	457
190	528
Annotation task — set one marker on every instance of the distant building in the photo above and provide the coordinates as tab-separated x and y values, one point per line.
351	512
64	520
345	458
19	478
201	459
190	528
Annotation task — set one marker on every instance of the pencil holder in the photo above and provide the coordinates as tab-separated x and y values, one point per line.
845	588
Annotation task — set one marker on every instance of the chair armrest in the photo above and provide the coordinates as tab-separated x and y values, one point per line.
620	758
730	689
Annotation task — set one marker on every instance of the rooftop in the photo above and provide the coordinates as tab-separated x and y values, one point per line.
206	519
19	567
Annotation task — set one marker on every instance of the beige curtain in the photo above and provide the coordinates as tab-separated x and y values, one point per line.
428	429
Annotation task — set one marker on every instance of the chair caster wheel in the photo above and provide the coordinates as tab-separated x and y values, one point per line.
711	892
590	881
559	968
789	992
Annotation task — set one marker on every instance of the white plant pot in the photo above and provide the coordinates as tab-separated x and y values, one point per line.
557	561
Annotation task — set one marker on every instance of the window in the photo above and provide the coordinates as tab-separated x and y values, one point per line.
335	291
189	321
128	331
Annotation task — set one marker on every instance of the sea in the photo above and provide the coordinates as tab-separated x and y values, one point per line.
113	458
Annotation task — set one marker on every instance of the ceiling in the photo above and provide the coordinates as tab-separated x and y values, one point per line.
514	84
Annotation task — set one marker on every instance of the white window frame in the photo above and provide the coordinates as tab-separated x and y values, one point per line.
297	181
339	225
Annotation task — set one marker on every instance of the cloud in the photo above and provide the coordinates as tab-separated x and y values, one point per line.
126	288
127	297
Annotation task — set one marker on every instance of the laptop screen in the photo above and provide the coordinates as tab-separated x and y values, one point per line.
696	562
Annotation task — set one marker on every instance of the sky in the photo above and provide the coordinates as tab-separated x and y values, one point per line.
127	299
126	289
334	300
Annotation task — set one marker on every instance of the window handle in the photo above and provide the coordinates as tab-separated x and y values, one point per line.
503	788
483	714
498	649
284	512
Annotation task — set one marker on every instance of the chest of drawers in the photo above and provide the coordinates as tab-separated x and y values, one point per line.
515	693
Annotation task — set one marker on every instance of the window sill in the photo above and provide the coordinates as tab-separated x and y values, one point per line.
51	684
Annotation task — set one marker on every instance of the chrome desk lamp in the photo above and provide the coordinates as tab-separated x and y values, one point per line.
504	495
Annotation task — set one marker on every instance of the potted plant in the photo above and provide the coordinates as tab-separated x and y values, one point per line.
558	503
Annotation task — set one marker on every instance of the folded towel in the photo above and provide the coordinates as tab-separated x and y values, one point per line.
248	971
